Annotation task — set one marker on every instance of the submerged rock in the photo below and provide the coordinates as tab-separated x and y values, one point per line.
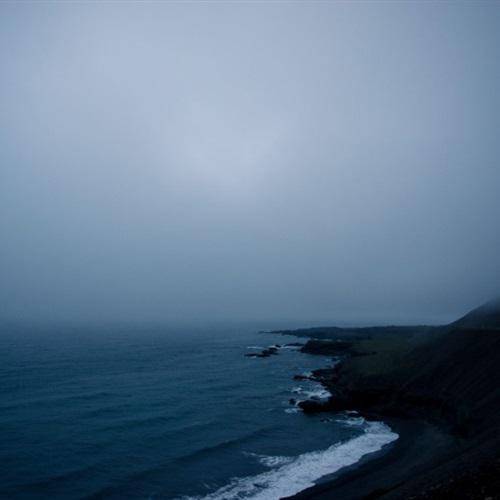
314	406
265	353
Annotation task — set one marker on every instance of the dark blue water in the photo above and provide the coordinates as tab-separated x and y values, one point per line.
163	413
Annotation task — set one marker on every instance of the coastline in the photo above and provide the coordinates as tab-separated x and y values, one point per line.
420	445
436	387
379	471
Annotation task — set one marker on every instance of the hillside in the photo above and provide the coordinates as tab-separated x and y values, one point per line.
485	316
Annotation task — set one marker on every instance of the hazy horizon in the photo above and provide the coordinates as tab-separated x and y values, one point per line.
271	162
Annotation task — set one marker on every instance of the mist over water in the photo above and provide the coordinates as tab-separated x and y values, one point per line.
300	162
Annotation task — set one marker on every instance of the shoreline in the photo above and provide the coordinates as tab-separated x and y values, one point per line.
380	473
436	387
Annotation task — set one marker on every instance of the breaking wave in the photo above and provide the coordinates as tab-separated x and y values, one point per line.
290	475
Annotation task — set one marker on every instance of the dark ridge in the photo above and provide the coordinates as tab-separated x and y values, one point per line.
485	316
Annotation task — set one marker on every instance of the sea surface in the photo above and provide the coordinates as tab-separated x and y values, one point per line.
157	413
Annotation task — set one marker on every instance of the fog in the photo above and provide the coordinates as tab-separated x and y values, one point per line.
302	162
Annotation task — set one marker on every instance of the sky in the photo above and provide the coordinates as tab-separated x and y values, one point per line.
279	161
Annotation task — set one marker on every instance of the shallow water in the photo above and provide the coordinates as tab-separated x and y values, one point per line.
164	413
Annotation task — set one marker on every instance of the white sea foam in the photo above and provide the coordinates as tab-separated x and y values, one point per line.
269	460
292	410
316	393
300	473
352	421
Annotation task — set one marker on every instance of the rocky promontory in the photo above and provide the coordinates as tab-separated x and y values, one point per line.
273	350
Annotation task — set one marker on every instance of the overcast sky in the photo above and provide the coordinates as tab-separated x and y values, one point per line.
272	161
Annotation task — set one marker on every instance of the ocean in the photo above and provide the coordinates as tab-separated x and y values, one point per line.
165	413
